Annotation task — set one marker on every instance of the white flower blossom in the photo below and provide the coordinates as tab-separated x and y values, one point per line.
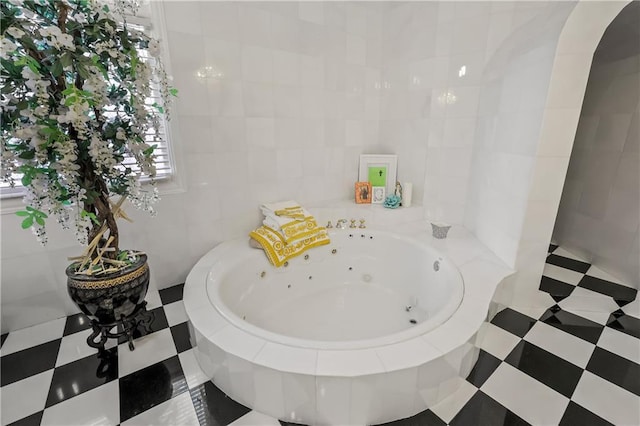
15	32
81	116
154	48
7	47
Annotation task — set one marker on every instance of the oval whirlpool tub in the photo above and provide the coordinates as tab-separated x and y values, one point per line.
343	334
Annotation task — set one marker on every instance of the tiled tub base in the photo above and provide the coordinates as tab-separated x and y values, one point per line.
331	400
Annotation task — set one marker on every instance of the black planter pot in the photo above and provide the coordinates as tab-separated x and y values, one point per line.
111	300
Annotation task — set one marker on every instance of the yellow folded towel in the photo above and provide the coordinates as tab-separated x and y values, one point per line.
278	251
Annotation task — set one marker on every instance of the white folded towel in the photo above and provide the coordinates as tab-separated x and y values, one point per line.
276	215
290	219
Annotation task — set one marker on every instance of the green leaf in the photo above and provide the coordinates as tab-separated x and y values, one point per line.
22	213
65	60
149	150
40	220
27	155
27	222
173	91
56	69
91	216
26	180
158	107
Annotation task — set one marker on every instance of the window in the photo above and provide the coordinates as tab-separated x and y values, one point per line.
161	138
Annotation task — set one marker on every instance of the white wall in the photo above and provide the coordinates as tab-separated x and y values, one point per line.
302	96
515	84
600	208
297	104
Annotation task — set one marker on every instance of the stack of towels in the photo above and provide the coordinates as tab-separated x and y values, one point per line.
287	231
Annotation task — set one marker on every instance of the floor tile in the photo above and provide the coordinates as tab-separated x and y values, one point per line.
556	288
176	411
481	410
191	369
590	301
81	376
149	350
425	418
175	313
560	251
568	263
151	386
76	323
572	324
533	402
497	341
181	337
153	299
27	362
537	311
566	346
620	344
283	423
24	398
484	367
632	308
598	317
545	367
575	415
254	418
213	407
33	336
561	274
158	322
616	369
74	347
513	321
594	271
171	294
33	420
615	291
607	400
624	323
452	404
95	407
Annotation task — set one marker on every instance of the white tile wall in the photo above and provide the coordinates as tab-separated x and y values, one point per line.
306	88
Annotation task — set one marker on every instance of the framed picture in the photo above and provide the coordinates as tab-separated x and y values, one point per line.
379	170
378	194
363	193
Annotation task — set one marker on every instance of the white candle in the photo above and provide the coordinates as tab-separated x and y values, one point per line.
407	192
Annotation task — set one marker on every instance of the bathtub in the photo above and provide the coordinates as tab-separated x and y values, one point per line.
347	333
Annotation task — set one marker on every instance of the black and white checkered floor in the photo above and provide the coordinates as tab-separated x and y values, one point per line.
575	363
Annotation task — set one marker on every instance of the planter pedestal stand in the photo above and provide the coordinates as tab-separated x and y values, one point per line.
125	326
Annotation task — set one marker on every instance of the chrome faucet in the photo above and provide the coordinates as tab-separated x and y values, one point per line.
341	224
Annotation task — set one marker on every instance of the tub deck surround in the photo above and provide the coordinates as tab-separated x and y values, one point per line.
352	385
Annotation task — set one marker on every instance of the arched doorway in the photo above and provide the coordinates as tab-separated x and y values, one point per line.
578	40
